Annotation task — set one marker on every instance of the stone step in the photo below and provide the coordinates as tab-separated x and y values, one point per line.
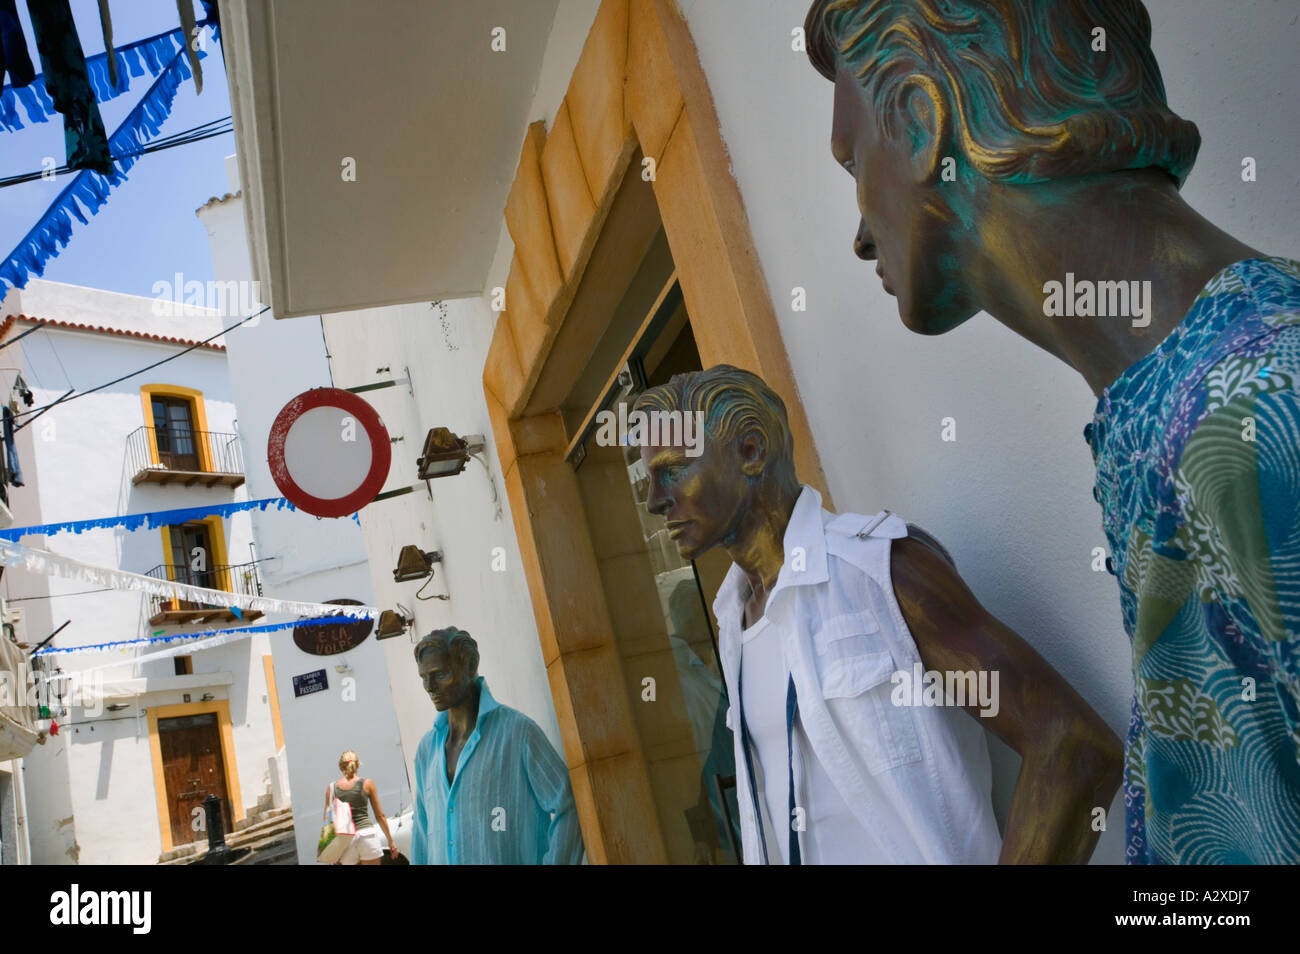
274	851
277	823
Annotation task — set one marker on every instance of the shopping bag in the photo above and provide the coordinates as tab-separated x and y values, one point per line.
338	832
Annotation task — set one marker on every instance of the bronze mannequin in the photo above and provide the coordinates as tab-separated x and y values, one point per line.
742	494
490	787
1005	150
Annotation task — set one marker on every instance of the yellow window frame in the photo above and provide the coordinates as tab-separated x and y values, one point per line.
198	414
217	535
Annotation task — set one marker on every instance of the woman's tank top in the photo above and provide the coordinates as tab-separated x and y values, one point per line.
356	797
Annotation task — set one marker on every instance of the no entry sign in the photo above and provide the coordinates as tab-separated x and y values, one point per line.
329	452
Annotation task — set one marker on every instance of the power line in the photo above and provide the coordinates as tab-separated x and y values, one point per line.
216	127
19	599
68	398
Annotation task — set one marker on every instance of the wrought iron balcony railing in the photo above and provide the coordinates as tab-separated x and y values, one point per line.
179	454
239	578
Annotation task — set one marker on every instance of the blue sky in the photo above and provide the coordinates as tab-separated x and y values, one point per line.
147	231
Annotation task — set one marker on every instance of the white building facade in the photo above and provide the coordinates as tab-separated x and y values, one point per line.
135	753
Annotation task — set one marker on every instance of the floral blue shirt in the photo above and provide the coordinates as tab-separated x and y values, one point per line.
1197	448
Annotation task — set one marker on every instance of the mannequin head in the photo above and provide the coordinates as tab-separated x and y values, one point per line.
746	466
448	661
943	106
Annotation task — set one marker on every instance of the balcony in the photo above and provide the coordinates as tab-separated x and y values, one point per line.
179	455
18	732
241	579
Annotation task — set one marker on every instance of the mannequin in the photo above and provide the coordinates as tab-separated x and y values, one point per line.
1008	153
908	781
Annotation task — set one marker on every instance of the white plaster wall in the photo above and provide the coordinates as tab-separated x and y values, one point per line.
305	558
446	362
1011	498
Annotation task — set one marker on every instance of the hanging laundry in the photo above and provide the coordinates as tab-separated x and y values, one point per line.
66	80
106	25
14	473
14	58
21	389
191	35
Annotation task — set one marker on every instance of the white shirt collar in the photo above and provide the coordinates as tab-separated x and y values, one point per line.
805	558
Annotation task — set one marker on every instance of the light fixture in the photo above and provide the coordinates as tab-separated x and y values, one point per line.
415	564
206	697
116	706
445	454
393	622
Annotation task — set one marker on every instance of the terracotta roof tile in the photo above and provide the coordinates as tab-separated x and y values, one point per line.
10	320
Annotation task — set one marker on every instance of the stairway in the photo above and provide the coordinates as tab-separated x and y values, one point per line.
264	837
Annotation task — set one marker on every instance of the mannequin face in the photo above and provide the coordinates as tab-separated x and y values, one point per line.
910	226
446	683
702	498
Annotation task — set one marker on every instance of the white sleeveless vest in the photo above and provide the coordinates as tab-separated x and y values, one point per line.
916	777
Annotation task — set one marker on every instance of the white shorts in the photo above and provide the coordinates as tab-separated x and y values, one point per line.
366	846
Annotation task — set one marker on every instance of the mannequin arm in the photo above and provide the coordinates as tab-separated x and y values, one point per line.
1071	762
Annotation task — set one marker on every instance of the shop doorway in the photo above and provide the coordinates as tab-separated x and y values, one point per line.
659	603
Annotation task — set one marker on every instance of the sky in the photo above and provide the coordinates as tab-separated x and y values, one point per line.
147	231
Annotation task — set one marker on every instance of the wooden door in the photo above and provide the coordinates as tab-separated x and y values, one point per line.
173	422
193	768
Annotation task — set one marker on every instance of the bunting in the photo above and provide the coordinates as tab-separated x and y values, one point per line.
188	638
149	521
86	194
54	564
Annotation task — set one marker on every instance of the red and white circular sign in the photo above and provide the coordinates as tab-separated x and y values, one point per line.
329	452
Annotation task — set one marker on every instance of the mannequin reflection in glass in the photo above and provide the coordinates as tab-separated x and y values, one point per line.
1019	157
490	788
822	620
710	819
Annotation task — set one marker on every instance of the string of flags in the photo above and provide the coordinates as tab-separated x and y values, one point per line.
53	564
188	638
151	520
74	85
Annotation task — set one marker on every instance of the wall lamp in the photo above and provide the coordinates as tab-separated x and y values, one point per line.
445	454
394	622
415	564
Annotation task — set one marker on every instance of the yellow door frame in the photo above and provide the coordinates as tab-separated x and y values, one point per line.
231	771
273	697
199	415
638	84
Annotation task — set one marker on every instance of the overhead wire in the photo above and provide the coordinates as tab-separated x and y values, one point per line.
215	127
198	344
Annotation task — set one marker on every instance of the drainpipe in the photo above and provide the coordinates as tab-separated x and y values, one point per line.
20	808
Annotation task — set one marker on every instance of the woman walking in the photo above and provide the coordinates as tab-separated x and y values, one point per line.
362	797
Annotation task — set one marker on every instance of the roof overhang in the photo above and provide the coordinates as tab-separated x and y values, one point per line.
409	95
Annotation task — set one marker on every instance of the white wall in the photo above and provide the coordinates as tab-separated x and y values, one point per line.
1011	498
305	558
446	361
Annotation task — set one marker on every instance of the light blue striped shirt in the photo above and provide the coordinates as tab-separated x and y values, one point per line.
510	802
